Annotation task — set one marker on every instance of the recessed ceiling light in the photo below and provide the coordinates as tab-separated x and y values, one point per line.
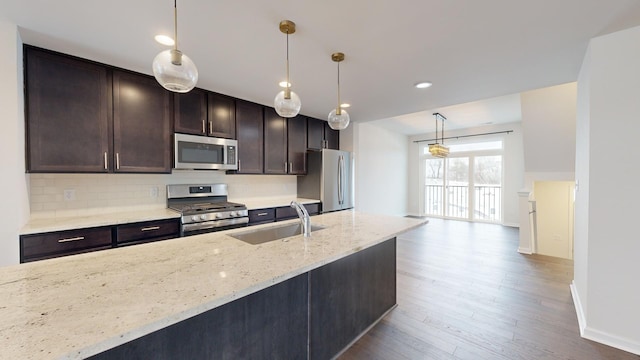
164	40
345	105
283	84
423	85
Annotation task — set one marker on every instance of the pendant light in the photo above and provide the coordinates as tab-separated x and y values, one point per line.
439	150
287	103
173	69
338	117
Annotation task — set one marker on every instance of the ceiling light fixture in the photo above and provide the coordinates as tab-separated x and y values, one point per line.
423	85
164	40
338	118
287	103
284	84
439	150
171	68
345	105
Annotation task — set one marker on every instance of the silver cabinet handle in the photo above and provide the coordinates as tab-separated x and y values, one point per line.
106	161
204	126
239	165
210	127
263	214
77	238
118	161
285	167
150	228
290	167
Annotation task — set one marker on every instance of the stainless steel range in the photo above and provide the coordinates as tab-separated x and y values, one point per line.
204	208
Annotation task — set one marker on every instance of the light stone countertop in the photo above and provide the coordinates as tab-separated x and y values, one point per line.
43	225
76	306
270	202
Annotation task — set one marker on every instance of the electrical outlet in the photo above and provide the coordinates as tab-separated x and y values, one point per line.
69	195
153	191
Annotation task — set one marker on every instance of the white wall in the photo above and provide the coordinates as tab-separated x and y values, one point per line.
607	239
381	170
548	125
13	181
513	160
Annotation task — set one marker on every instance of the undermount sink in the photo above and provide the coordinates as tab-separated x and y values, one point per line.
259	236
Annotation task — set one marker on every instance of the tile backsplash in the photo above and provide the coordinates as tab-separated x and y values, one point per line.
63	195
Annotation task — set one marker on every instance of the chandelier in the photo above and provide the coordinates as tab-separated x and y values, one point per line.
437	149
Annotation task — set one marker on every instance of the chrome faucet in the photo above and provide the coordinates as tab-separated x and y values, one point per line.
304	218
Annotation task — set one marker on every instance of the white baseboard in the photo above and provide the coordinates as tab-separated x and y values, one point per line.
526	251
597	335
515	225
582	323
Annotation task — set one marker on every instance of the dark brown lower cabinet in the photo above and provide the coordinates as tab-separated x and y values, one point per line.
348	295
269	324
314	315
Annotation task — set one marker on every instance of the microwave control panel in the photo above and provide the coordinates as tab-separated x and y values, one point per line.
231	154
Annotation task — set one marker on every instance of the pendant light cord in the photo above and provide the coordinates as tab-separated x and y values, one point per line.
338	109
175	24
287	92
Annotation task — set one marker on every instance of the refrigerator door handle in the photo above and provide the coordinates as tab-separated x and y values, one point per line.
341	180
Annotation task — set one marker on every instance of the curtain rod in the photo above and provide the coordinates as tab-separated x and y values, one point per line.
464	136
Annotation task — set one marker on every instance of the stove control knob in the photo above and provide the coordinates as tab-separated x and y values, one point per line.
218	215
194	218
203	217
233	213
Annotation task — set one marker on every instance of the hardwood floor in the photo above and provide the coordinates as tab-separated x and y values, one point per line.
465	293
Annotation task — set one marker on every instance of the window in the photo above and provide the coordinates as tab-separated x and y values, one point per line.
465	185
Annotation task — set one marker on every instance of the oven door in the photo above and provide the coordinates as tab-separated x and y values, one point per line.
206	153
211	226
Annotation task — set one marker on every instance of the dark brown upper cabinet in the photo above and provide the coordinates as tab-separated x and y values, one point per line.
222	116
275	143
321	136
200	112
297	145
190	112
69	114
141	124
250	135
285	144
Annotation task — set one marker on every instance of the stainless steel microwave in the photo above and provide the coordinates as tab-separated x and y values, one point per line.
205	153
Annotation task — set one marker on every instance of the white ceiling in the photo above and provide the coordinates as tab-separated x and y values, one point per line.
470	50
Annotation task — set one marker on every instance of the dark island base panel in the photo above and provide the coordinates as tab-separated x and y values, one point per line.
314	315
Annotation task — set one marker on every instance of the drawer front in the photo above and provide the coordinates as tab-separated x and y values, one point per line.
148	230
313	209
63	242
262	215
286	212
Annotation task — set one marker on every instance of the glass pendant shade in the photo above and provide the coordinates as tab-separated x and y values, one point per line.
338	121
287	107
175	71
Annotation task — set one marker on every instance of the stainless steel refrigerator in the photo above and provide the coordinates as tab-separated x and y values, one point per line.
329	178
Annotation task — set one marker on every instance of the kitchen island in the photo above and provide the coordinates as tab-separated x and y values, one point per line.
83	305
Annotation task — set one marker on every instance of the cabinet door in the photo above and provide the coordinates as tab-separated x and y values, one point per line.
68	106
222	116
250	132
297	141
275	142
141	124
315	134
331	137
190	112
